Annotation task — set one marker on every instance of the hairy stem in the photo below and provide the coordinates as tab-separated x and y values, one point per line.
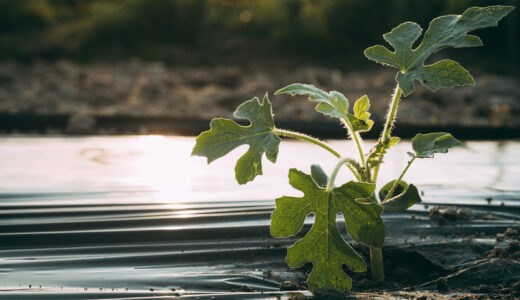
306	138
376	255
357	139
396	183
315	141
330	184
376	264
390	118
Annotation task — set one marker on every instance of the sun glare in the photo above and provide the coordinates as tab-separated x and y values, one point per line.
162	165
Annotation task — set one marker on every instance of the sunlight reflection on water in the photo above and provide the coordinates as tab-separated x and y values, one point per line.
139	212
162	169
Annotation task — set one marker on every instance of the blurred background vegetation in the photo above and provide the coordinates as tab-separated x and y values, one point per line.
176	32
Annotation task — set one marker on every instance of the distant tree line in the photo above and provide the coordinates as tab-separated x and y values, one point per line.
316	30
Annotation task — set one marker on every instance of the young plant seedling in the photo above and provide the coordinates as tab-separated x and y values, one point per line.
357	200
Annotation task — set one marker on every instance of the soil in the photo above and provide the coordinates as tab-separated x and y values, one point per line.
84	93
445	215
411	275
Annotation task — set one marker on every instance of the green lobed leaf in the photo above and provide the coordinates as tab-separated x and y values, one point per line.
444	31
323	244
426	145
226	135
404	196
334	104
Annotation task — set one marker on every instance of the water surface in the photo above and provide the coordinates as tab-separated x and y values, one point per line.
136	216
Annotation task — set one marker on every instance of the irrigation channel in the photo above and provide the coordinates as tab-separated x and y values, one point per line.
137	217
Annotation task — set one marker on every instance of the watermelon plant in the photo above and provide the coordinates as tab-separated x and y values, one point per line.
357	200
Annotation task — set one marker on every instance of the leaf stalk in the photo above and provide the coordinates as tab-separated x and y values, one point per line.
332	178
307	138
396	183
357	139
315	141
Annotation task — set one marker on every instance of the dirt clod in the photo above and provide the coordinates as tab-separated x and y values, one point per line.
296	296
246	288
465	214
512	250
445	215
512	233
489	217
289	286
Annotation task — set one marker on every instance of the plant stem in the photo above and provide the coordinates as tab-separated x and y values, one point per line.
330	184
391	113
390	118
316	141
396	183
306	138
357	139
376	255
376	264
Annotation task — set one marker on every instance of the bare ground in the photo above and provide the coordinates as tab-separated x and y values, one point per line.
154	90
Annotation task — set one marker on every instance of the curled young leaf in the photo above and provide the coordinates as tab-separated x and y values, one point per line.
426	145
301	89
323	244
404	196
334	104
444	31
361	107
319	176
226	135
